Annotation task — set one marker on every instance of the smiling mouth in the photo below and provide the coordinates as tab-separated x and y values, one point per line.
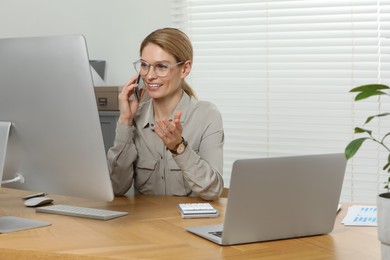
154	86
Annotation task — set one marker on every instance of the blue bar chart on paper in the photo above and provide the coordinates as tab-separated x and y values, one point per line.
361	216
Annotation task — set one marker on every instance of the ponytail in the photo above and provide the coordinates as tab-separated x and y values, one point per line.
187	89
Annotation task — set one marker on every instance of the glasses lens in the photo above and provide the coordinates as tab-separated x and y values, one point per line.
141	67
161	70
136	66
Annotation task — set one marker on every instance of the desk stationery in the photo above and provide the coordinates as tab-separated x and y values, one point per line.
154	229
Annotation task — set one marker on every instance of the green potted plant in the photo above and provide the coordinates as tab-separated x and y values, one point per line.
383	200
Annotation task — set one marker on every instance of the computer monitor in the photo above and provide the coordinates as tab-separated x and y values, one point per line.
48	103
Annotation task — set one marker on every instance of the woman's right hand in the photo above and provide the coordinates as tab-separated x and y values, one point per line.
128	106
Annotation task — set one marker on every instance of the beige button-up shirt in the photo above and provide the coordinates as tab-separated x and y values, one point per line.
138	154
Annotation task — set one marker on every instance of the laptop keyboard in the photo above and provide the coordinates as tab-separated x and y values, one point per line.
216	233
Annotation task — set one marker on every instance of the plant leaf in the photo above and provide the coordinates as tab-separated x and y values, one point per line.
372	117
386	166
359	130
369	87
368	93
353	147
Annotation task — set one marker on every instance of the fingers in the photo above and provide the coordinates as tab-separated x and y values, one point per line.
176	121
164	128
168	132
127	108
132	80
128	88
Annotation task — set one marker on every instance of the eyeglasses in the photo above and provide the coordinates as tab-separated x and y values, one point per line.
161	69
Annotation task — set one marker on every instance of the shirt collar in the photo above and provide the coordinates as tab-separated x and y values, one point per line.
147	118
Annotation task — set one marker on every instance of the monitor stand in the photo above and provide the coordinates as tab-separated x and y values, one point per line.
11	223
4	134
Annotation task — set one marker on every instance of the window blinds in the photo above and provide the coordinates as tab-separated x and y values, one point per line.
280	73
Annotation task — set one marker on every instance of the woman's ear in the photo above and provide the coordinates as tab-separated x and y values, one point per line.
186	68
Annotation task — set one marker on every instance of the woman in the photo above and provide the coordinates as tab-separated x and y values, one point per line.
171	144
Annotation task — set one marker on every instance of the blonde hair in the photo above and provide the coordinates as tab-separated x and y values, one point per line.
176	43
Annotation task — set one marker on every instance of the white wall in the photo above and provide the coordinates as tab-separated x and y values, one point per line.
114	29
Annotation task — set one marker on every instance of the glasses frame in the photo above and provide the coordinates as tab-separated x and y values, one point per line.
170	66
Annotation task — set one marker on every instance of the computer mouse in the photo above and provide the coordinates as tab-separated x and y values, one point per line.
38	201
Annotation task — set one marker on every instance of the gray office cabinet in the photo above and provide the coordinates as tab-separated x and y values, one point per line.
108	120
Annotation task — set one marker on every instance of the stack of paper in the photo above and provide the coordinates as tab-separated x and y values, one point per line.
361	216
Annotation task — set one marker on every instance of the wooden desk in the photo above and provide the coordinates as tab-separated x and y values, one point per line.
154	230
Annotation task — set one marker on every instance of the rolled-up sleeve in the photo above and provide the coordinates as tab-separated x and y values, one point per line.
121	157
203	169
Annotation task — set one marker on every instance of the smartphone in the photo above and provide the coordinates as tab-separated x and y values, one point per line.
39	194
139	90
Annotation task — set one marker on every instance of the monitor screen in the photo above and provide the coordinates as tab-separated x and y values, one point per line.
55	141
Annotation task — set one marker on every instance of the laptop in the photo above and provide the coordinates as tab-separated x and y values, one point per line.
279	198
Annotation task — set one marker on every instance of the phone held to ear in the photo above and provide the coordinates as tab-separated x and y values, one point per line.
139	90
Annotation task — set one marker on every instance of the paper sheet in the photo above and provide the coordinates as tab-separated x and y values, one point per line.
361	216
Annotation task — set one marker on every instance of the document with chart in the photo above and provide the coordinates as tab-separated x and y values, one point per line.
361	216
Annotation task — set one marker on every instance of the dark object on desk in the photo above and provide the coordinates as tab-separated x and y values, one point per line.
30	196
10	224
38	201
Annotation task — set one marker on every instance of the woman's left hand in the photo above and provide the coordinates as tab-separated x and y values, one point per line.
170	132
